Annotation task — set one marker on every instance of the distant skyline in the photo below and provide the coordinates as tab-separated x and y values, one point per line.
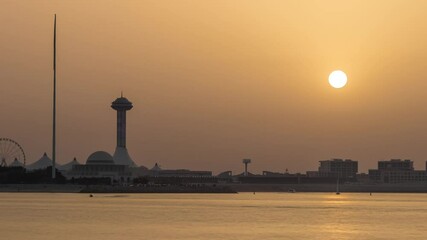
214	82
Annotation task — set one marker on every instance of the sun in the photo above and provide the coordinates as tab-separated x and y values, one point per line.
337	79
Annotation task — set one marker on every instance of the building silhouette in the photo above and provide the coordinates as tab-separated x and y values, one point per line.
100	164
121	155
336	168
397	171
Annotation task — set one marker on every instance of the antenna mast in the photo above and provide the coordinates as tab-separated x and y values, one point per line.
54	103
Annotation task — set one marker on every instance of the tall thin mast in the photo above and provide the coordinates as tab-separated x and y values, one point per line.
54	103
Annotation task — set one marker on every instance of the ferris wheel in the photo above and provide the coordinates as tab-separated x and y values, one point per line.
10	151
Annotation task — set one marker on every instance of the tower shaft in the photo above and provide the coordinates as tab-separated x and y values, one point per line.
246	162
121	155
121	128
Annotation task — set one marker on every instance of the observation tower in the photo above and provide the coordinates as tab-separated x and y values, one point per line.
121	155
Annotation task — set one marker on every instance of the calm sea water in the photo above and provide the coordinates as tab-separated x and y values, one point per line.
213	216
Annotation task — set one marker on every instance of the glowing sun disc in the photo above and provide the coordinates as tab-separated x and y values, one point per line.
337	79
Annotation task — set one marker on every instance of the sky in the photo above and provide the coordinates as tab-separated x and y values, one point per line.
216	81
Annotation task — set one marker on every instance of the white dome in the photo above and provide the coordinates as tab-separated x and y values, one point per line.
100	157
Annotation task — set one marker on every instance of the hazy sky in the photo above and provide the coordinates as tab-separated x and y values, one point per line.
213	82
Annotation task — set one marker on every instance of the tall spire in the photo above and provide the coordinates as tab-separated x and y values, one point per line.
54	103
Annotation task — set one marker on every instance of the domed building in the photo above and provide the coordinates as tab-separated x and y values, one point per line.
100	158
101	164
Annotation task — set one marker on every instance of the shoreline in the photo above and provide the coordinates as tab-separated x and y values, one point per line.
158	189
41	188
69	188
219	188
351	188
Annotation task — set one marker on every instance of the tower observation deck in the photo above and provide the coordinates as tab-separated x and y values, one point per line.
121	155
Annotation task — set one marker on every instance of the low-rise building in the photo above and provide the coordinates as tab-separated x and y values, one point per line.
335	168
396	164
341	168
100	164
179	176
397	171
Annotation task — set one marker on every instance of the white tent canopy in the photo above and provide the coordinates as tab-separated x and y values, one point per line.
16	163
156	167
42	163
68	166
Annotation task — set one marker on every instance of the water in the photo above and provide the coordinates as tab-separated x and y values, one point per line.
212	216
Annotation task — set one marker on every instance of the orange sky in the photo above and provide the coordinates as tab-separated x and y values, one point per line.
213	82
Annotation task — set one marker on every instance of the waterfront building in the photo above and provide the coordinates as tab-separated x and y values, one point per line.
342	168
335	168
100	164
225	177
156	170
178	176
276	174
396	164
182	173
226	174
313	174
397	171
